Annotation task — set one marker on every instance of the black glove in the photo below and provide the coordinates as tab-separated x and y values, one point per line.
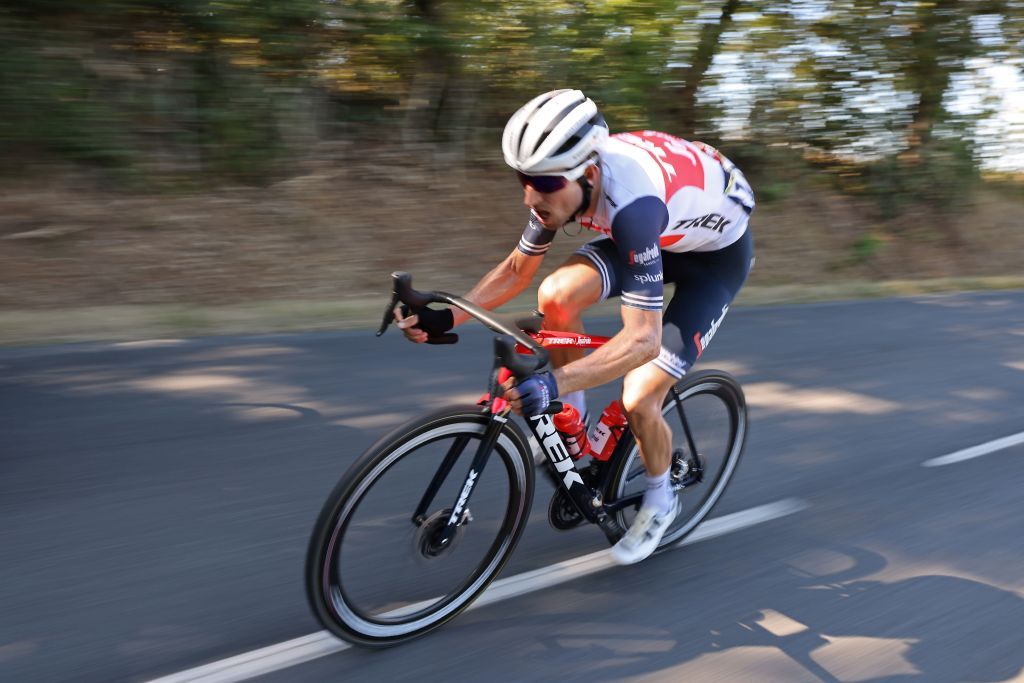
433	322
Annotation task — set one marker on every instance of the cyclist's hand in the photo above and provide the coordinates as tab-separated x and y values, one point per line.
424	323
533	395
408	326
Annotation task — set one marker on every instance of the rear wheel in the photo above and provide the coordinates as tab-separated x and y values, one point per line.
707	414
375	575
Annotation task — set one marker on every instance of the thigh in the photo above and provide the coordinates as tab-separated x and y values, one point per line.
603	257
706	284
576	284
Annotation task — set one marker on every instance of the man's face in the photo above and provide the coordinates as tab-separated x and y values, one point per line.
553	209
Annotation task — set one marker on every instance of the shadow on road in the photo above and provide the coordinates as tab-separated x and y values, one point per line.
836	626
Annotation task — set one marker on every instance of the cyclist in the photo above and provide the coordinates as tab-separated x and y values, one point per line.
670	211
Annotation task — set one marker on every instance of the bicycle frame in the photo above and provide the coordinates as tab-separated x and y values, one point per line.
519	354
586	499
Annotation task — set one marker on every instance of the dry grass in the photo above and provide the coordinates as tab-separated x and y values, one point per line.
219	260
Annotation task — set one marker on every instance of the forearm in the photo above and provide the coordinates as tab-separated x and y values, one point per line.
502	284
633	346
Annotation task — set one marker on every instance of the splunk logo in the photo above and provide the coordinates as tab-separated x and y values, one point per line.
649	278
648	255
555	449
702	342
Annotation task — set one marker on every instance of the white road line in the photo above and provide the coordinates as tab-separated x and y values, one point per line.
976	451
315	645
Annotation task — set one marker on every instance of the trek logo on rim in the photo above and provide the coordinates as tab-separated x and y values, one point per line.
555	450
463	497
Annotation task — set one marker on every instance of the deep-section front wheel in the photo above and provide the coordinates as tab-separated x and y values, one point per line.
707	414
379	569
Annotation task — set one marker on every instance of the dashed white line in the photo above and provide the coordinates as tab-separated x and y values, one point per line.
315	645
976	451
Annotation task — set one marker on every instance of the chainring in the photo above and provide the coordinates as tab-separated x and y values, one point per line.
562	513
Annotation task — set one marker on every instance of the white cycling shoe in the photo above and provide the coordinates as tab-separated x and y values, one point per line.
644	534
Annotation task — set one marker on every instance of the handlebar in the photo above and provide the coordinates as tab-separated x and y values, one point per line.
509	328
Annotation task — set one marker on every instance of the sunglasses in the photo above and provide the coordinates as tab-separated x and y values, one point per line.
543	183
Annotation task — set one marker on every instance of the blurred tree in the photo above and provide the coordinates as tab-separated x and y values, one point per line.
217	87
684	108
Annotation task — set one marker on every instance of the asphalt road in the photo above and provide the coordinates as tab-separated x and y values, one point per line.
156	499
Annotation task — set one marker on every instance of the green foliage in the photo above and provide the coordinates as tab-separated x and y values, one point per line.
941	174
203	88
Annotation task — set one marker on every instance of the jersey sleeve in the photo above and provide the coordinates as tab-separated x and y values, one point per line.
635	230
536	239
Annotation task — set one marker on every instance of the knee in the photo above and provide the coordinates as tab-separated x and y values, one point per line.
555	298
642	405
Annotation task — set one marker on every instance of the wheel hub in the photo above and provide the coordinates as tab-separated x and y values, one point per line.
686	471
427	541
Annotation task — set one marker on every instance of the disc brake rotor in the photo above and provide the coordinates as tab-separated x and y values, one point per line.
427	541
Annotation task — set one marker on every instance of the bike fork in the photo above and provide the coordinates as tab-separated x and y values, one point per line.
483	452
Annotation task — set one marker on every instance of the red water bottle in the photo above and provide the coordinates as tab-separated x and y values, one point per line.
570	424
605	434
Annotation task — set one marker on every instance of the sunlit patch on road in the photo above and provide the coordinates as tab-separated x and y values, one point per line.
779	624
779	397
192	382
859	658
373	421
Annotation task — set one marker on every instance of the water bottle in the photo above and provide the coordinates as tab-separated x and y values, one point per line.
570	425
605	434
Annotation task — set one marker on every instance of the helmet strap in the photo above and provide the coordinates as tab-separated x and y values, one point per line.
588	189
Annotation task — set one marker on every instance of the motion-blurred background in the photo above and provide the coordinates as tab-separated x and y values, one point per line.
252	152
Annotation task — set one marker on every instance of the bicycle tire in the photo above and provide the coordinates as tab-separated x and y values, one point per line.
324	584
626	459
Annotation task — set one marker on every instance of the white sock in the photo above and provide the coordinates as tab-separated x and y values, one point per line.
578	400
659	493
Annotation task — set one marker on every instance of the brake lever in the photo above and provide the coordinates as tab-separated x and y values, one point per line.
389	315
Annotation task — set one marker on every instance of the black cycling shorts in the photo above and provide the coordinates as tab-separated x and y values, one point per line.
706	283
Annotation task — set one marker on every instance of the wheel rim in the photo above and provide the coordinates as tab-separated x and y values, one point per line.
398	616
718	433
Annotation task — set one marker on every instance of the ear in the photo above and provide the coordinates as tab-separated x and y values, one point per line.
592	173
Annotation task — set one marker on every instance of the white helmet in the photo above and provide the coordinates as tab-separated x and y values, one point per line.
556	133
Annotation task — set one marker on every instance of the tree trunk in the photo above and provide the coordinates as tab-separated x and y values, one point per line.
431	81
684	111
929	76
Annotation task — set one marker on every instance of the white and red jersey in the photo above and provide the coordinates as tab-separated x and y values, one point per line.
707	198
659	193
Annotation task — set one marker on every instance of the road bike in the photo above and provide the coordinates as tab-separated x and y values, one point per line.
417	527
